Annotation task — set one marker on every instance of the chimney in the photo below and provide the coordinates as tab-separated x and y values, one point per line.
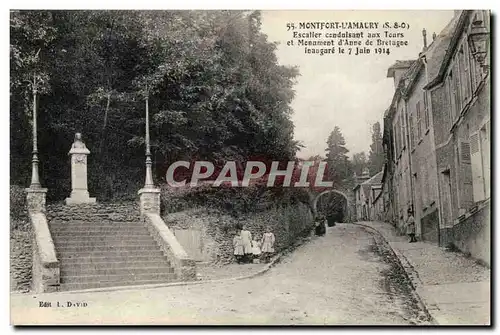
433	36
424	34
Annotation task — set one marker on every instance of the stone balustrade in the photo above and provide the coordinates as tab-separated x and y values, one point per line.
184	266
45	271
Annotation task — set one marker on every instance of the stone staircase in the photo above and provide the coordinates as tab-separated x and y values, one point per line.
105	245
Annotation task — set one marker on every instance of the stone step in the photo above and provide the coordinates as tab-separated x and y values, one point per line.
104	238
111	257
102	225
63	244
105	248
109	254
116	278
105	263
83	286
99	231
92	219
125	271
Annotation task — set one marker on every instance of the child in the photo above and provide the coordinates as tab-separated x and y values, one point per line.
410	227
238	248
320	228
256	251
246	240
267	244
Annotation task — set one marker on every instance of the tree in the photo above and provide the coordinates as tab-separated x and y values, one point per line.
216	92
359	163
338	163
376	156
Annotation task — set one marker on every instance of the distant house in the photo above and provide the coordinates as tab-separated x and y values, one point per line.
365	192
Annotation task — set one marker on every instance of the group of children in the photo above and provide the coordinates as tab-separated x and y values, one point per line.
247	250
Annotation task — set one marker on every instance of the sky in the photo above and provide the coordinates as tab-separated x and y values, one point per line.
351	92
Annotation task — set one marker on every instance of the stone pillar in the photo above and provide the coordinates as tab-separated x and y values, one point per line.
79	193
150	200
35	199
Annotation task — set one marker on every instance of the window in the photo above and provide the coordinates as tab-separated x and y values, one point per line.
453	100
396	139
457	88
448	111
473	70
466	73
426	111
480	162
412	132
418	121
477	168
485	153
402	127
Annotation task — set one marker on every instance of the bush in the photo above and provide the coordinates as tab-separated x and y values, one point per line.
18	217
17	201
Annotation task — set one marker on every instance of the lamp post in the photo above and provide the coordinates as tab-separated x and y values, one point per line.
35	194
149	176
479	40
149	195
35	178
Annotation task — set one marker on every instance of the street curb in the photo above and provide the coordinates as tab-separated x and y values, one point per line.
410	272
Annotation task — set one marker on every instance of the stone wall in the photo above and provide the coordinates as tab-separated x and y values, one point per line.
218	229
119	212
472	235
20	260
20	241
430	227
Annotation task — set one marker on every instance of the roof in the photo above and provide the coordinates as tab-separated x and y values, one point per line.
437	50
400	64
435	56
376	179
449	38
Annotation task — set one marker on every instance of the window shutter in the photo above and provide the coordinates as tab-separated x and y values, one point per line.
465	152
477	168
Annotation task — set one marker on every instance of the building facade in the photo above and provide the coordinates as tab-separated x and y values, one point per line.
437	137
460	94
365	192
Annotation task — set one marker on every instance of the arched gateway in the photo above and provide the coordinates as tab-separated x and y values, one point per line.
347	210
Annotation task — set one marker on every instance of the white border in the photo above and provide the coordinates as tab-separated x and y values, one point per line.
185	4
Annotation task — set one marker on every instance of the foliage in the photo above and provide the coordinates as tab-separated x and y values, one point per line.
339	166
214	87
376	157
359	163
18	218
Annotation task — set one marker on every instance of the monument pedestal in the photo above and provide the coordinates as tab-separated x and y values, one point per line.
80	197
79	193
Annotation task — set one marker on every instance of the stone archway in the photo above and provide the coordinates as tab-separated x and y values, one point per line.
347	207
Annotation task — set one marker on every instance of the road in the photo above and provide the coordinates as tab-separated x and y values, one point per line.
344	277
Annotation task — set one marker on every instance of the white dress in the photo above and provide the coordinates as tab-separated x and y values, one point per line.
246	239
238	246
255	248
268	242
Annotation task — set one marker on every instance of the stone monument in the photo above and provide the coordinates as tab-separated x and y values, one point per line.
79	193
